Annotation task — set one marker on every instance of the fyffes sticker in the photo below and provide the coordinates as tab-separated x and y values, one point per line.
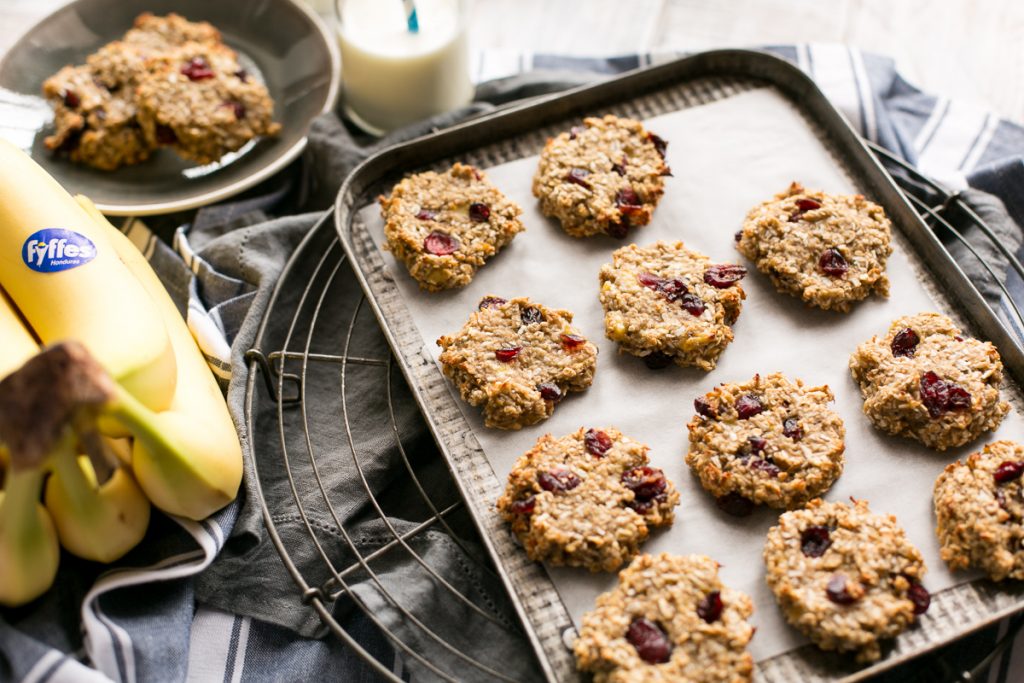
51	250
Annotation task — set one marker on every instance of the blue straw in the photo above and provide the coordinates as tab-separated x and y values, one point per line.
410	16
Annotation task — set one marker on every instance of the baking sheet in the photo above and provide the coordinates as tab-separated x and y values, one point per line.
726	157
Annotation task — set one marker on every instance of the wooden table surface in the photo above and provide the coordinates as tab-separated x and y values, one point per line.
963	49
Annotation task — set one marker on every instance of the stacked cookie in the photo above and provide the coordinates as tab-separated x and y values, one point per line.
845	576
168	83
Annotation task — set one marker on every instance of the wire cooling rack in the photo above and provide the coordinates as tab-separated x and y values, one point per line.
281	369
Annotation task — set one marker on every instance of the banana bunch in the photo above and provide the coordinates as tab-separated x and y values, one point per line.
118	410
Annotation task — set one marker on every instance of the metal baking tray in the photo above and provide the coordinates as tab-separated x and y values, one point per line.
520	132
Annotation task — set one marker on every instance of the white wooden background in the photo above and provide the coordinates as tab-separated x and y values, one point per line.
966	49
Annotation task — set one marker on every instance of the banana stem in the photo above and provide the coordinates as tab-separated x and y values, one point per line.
69	473
18	515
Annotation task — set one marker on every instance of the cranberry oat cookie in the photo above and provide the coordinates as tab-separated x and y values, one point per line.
587	499
927	381
444	226
605	177
979	507
517	359
830	250
669	619
844	576
767	441
669	304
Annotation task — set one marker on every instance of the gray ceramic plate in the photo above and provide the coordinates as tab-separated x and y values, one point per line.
282	41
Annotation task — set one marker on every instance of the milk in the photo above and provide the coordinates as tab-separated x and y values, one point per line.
392	76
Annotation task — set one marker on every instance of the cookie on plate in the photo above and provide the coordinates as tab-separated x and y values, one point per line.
844	576
93	125
829	250
587	499
979	505
669	304
517	359
767	441
444	226
924	379
197	100
604	177
668	619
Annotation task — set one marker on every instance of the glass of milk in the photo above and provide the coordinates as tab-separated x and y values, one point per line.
392	76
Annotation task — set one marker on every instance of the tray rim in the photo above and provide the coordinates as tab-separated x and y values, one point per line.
801	90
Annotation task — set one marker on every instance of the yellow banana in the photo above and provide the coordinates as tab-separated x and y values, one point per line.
95	522
187	459
29	553
16	343
60	271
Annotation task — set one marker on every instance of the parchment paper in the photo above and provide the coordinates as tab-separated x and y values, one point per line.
726	156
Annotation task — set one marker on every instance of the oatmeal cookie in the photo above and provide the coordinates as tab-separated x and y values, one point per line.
979	505
828	249
517	359
845	576
605	177
768	441
93	125
669	304
669	619
197	100
587	499
927	381
444	226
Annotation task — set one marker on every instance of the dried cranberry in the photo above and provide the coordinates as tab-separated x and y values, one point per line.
490	302
440	243
237	108
646	483
905	342
628	200
734	504
618	230
755	445
71	98
942	396
749	405
197	69
573	132
558	480
807	204
524	506
815	540
165	135
832	263
550	391
426	214
659	144
710	607
725	275
764	465
242	75
507	354
577	177
657	360
651	642
692	304
479	213
792	429
531	315
571	342
738	236
597	442
672	289
620	168
704	407
837	592
920	596
1008	471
